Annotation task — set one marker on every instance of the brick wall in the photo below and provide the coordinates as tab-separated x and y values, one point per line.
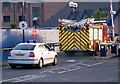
51	8
47	10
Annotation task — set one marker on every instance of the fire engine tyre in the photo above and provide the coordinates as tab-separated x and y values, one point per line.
69	53
13	66
96	50
40	64
55	61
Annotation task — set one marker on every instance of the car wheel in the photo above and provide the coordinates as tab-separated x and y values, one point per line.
40	65
55	61
13	66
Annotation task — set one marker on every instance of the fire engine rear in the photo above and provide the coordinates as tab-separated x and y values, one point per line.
85	35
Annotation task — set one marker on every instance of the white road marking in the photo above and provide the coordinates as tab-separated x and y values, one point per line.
71	61
54	69
88	65
97	64
61	72
15	78
50	71
43	72
23	78
30	78
74	69
79	64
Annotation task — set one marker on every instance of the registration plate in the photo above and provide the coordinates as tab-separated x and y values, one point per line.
19	54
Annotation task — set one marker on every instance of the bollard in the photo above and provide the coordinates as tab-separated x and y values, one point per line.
102	51
114	49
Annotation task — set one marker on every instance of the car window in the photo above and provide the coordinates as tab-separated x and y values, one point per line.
24	47
42	48
48	49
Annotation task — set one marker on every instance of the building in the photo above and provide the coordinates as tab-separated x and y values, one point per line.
13	11
87	9
48	13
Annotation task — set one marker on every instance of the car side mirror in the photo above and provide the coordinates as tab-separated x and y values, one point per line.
52	49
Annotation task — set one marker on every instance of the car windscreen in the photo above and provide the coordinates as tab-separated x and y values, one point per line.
24	47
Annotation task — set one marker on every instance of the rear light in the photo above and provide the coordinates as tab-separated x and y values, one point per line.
31	54
9	55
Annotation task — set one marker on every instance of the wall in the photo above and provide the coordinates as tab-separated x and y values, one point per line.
11	37
116	22
51	8
9	11
46	10
0	40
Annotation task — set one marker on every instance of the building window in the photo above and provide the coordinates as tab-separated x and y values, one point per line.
6	4
6	18
36	13
21	18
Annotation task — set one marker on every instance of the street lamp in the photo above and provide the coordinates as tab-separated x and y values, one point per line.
23	20
73	6
35	20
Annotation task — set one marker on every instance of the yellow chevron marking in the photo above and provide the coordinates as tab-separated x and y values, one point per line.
84	34
63	39
85	39
63	34
71	46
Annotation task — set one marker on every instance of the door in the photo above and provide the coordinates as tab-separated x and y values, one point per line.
50	54
43	53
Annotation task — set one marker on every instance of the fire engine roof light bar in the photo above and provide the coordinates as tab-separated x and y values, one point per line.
112	13
103	21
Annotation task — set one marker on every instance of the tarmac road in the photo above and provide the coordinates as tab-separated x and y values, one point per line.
77	68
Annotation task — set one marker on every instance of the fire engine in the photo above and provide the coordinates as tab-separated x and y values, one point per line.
85	35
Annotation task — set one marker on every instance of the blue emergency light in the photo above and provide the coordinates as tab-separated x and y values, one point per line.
31	41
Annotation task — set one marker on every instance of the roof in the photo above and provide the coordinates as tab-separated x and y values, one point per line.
87	8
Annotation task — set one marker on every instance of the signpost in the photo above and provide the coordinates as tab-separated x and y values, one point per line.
23	25
34	33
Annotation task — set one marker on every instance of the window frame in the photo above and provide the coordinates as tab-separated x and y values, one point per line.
6	18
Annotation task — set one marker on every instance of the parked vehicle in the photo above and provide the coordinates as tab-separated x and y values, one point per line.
32	54
85	35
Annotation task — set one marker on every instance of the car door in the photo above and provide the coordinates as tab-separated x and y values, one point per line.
43	53
50	53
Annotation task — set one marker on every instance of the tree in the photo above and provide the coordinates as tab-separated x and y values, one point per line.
100	15
97	14
13	25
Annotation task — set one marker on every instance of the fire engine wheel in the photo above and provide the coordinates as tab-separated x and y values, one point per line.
69	53
96	49
13	66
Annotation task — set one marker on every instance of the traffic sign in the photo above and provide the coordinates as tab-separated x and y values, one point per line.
23	25
34	33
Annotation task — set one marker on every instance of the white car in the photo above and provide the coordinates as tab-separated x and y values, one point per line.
31	54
